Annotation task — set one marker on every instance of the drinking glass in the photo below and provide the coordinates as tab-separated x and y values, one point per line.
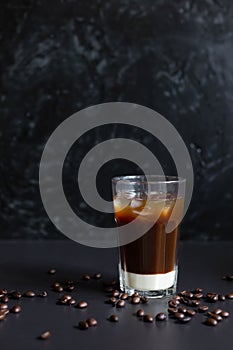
148	264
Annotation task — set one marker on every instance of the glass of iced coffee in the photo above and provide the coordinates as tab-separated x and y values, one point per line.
148	264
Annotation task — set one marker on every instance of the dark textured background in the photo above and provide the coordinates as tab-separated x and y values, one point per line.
57	57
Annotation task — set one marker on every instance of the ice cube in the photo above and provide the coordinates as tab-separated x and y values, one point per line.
120	203
136	203
155	206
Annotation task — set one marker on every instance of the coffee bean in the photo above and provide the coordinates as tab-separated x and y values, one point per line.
172	310
64	299
186	294
108	289
120	303
4	312
179	315
217	311
124	296
176	297
114	318
195	302
58	289
190	313
176	300
3	292
211	321
2	316
161	316
203	308
4	299
29	294
135	300
112	300
44	336
56	284
15	294
182	309
140	313
210	294
97	276
214	316
182	293
229	296
82	305
71	301
148	318
217	317
3	306
185	319
198	290
16	309
221	297
185	301
43	294
86	277
144	300
52	271
224	314
135	294
198	295
83	325
91	322
212	297
115	293
173	303
69	288
228	277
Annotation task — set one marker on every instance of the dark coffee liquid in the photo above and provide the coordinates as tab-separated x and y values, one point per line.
154	252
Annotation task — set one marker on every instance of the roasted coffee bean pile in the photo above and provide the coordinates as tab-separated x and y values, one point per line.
67	286
119	299
178	306
182	308
4	307
65	299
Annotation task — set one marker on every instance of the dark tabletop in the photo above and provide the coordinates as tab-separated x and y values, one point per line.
24	265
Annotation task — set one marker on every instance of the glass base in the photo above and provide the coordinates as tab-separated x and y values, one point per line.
163	284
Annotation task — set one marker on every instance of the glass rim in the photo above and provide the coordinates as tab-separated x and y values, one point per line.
153	179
